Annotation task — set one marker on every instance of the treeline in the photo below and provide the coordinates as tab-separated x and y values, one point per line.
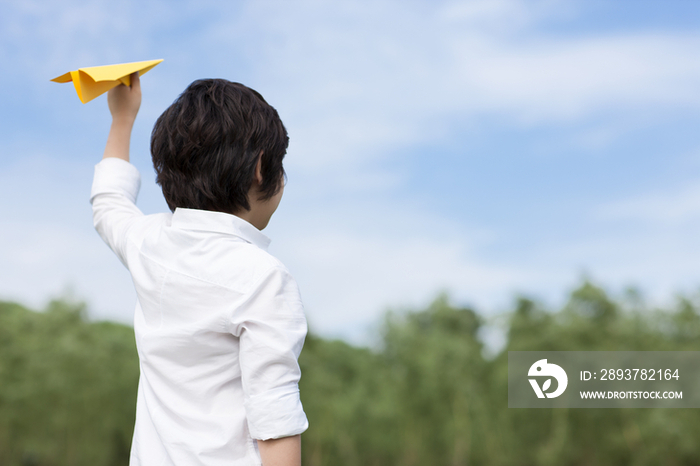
425	396
67	388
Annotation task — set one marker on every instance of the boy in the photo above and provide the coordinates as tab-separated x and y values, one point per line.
219	322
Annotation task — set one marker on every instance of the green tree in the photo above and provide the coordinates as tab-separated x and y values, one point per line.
67	387
426	395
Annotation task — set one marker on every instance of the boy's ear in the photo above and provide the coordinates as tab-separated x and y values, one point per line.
258	170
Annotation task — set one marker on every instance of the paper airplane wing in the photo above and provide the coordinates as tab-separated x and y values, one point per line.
64	78
96	80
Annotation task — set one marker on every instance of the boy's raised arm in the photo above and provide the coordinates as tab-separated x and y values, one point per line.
116	184
124	102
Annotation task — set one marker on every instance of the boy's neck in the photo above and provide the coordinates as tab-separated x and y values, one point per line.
260	211
253	217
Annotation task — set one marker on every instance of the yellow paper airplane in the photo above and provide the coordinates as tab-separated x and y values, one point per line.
96	80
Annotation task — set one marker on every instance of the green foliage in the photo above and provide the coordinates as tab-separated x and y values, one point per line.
442	402
67	387
425	396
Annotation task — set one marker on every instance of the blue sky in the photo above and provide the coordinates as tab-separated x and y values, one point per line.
487	147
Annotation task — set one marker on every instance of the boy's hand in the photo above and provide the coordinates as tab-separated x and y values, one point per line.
124	101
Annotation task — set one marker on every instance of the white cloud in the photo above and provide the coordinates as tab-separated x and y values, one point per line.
353	262
358	84
573	78
50	246
662	262
676	206
49	259
359	81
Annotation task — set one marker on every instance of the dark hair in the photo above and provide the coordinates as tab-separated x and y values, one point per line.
206	145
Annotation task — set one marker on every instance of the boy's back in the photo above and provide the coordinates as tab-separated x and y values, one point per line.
219	326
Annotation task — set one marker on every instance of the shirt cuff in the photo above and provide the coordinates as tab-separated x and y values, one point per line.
116	176
276	413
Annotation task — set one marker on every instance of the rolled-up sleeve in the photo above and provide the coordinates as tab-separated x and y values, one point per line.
115	187
272	328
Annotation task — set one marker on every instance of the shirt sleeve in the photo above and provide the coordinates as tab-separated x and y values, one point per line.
272	328
114	189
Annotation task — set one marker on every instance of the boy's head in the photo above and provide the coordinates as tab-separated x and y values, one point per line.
207	144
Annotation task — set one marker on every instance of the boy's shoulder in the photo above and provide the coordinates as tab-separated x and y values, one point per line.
233	258
254	258
241	266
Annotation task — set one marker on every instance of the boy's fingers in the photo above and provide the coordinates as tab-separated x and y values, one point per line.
135	80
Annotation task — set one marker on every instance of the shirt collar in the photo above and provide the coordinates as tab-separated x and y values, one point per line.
220	222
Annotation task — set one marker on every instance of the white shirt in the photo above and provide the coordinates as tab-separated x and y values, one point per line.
219	326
